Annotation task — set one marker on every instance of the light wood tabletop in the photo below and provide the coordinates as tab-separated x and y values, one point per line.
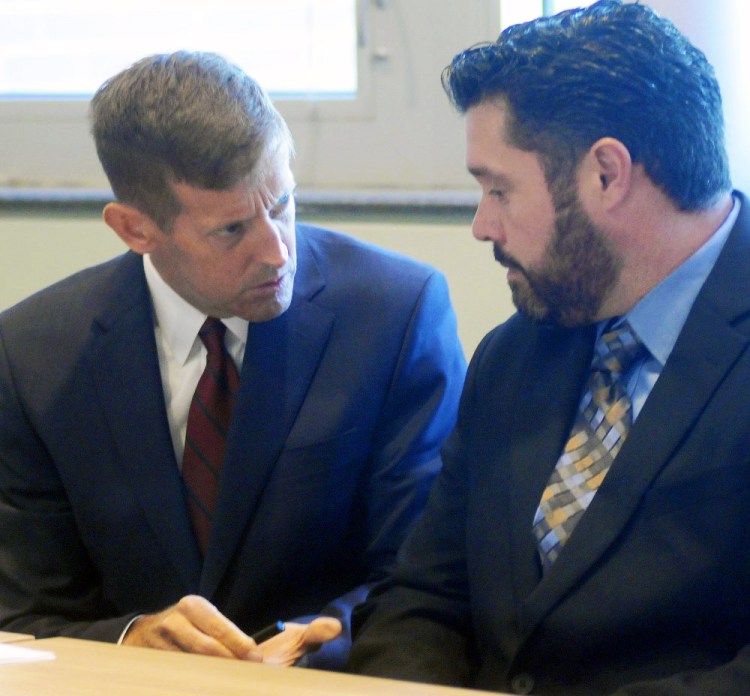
6	637
88	668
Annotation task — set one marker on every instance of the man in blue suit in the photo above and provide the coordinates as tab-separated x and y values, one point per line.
349	374
588	532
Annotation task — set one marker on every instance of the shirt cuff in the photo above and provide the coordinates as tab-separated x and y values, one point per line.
127	628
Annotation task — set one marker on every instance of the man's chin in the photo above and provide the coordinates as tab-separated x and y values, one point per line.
266	311
534	309
526	301
545	316
554	311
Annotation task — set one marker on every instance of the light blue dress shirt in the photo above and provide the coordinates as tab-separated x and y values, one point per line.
659	316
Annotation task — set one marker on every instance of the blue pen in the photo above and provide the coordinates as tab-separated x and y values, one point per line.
269	632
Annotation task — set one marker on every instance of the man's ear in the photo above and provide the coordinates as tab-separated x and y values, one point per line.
607	172
135	228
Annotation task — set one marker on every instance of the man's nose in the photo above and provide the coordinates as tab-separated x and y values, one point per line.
486	227
271	249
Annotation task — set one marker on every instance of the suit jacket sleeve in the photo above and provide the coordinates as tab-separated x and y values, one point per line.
416	624
417	416
42	592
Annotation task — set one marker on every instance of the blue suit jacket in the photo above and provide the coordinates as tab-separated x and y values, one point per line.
650	593
344	402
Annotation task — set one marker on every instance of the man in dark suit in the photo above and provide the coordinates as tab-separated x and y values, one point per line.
349	376
588	531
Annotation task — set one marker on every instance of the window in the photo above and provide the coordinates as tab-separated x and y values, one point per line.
295	48
398	133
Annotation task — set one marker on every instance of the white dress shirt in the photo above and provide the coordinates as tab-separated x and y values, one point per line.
182	355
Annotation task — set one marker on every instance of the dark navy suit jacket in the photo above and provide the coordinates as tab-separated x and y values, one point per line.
649	597
344	402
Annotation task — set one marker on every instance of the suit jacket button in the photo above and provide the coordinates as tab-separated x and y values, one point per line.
522	683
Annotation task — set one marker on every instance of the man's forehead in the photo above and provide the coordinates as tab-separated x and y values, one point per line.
273	166
488	118
271	176
486	143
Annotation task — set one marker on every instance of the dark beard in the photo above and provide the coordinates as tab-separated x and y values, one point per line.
579	268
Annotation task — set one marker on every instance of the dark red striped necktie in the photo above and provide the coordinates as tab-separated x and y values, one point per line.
207	427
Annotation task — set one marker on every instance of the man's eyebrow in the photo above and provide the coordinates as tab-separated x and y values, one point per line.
480	172
230	223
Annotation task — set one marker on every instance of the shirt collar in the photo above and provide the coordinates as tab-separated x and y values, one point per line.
659	316
177	319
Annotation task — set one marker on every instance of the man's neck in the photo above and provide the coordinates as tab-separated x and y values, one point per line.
658	239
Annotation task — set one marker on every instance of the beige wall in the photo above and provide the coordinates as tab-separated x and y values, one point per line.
38	250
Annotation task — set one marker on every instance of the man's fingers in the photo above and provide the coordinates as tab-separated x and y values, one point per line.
214	633
321	630
298	639
193	625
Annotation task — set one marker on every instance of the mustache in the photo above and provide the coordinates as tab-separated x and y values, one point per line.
505	259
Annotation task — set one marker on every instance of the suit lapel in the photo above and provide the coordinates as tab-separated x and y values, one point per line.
280	362
705	352
125	370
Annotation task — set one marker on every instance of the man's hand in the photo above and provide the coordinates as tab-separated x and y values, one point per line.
195	625
296	640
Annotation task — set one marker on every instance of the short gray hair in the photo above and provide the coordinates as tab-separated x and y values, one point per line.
184	117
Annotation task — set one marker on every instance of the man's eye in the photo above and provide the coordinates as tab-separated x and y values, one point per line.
281	206
232	229
497	193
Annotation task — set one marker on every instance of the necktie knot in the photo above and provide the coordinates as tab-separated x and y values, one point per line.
218	360
616	350
212	335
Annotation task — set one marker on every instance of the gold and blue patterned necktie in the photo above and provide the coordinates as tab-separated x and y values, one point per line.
603	421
